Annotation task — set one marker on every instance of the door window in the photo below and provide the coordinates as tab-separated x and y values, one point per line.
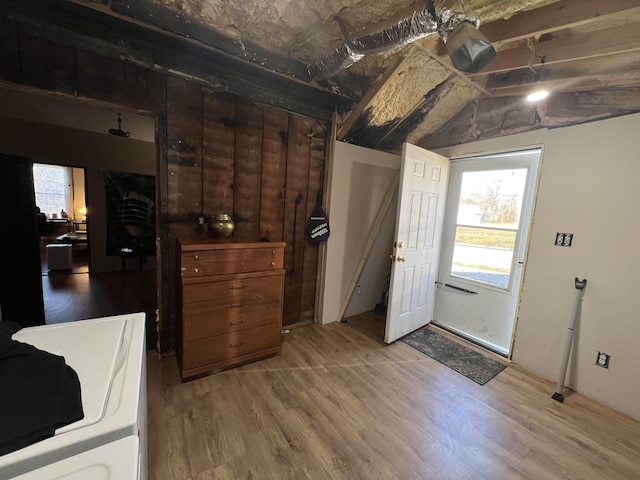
487	225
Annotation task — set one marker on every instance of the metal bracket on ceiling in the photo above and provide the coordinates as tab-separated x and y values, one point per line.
431	8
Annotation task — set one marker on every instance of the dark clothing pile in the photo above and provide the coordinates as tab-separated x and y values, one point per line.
39	392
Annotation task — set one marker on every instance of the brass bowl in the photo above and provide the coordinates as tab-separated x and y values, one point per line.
221	225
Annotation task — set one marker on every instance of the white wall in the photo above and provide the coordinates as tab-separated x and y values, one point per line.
359	183
589	186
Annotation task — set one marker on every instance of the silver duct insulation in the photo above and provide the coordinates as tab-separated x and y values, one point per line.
407	31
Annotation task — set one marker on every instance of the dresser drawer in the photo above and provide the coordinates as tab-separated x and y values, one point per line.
210	350
237	290
235	260
206	319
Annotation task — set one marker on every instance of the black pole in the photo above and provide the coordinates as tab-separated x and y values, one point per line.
295	221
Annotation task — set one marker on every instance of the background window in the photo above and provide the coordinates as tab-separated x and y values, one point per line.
51	188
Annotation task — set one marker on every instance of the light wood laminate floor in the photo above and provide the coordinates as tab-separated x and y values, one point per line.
339	404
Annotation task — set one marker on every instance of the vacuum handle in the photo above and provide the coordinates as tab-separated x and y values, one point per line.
580	284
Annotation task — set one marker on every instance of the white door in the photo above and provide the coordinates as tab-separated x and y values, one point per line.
421	202
489	208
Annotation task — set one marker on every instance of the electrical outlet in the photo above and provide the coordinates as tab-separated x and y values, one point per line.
564	239
602	360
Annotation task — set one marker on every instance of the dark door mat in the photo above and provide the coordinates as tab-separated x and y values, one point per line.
473	365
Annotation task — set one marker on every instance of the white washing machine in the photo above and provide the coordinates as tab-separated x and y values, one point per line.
108	354
112	461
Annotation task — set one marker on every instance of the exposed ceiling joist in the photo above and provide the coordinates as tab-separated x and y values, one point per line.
580	75
556	16
574	47
254	47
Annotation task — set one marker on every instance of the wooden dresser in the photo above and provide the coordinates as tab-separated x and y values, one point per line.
230	305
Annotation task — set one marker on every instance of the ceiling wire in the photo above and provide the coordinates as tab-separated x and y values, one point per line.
532	43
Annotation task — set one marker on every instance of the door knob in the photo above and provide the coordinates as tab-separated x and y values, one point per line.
401	258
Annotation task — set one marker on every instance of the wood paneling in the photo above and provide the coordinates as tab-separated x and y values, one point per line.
310	258
216	152
184	148
274	167
9	55
101	78
219	117
248	169
48	65
300	132
145	90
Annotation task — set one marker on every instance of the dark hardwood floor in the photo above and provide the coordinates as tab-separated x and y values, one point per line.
71	295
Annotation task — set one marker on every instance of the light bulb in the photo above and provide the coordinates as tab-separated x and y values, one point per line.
537	95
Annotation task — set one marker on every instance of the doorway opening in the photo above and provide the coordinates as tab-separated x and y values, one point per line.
66	131
488	217
60	196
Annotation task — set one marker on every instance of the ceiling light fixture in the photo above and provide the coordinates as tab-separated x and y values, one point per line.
118	132
469	50
538	93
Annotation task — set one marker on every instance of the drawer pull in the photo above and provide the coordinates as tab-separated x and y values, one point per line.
236	305
233	287
273	264
196	257
233	345
273	252
233	324
195	270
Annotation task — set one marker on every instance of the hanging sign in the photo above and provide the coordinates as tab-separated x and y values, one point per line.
318	225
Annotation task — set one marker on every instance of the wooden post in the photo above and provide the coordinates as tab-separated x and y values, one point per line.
326	201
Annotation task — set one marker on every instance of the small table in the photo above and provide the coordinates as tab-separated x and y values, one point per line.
54	223
72	238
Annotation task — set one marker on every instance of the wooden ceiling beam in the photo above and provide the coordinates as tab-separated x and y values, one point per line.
612	68
557	16
554	17
369	97
580	84
76	26
587	45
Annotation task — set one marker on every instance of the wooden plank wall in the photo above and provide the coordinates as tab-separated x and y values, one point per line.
216	152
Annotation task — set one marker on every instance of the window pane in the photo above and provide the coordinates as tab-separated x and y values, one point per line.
488	219
50	185
492	197
483	255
